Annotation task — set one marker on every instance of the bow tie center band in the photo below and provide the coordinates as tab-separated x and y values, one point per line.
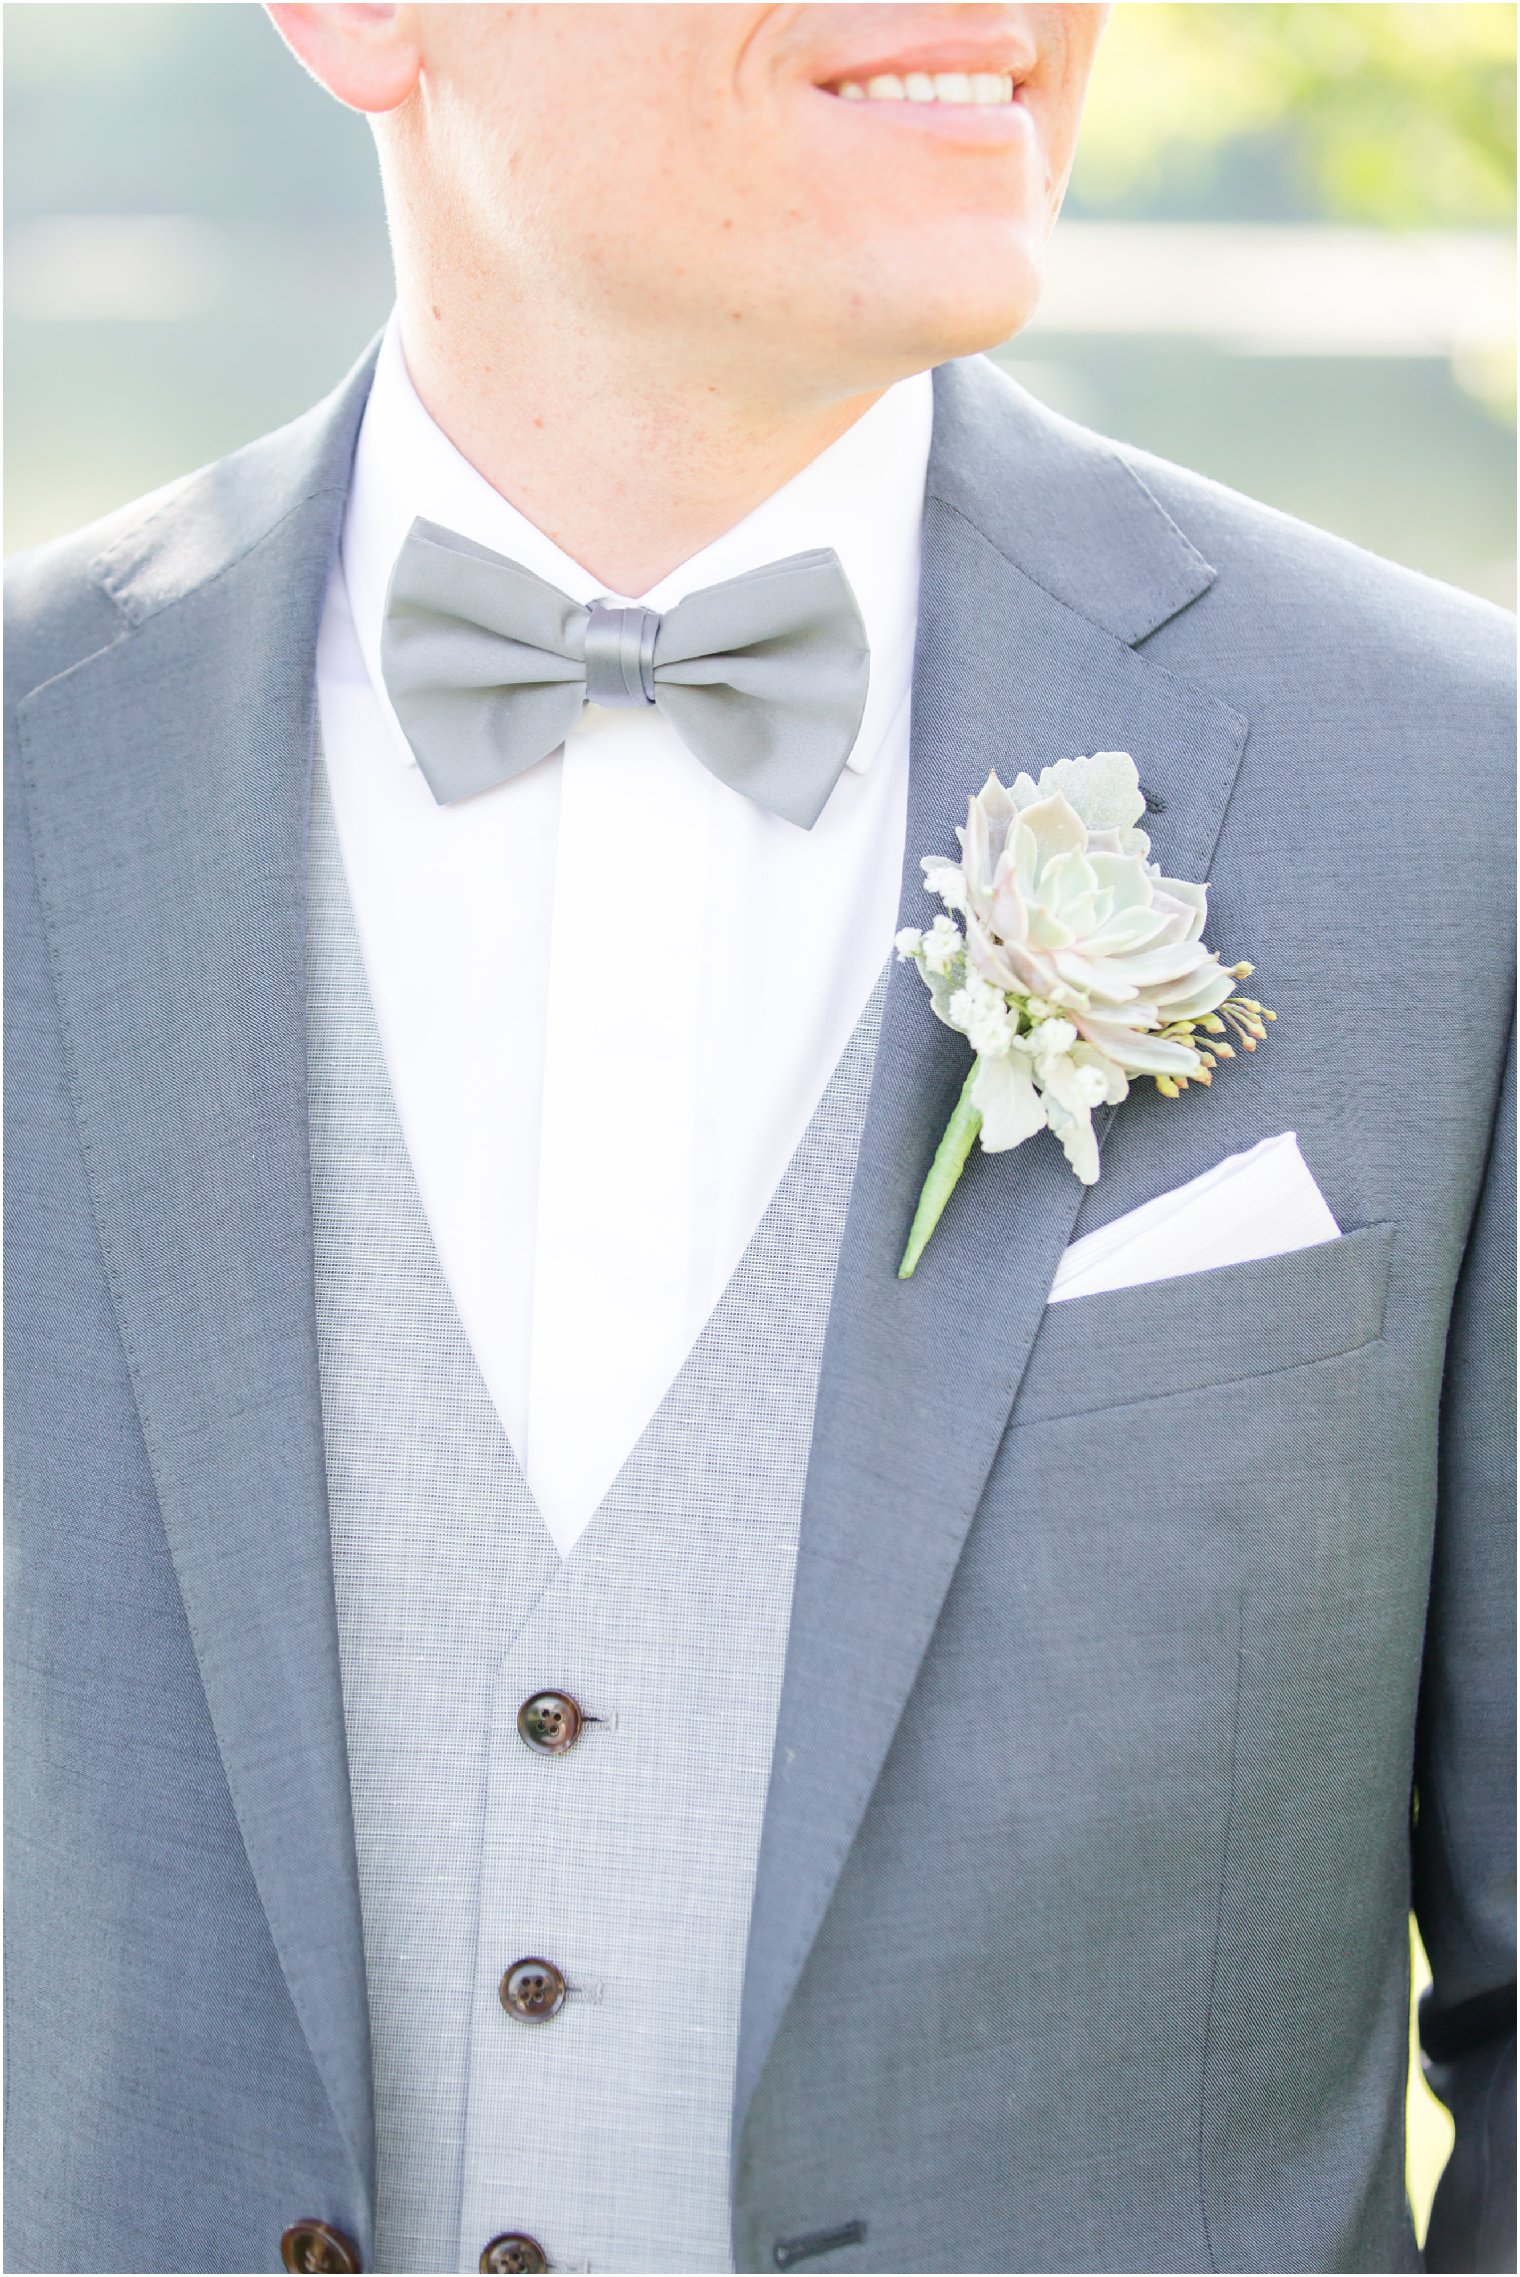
620	654
763	677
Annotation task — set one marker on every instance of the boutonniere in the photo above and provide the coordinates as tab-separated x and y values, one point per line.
1080	967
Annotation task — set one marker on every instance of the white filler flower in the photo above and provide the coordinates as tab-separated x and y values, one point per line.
1080	967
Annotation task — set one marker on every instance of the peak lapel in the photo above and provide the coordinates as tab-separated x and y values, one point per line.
168	781
1044	558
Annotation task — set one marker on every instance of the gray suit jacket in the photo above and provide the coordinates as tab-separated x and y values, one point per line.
1147	1652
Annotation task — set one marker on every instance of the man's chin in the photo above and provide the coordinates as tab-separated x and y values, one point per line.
972	333
970	290
947	327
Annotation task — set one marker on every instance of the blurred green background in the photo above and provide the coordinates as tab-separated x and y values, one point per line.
1286	259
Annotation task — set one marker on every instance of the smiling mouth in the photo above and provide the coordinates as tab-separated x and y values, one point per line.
984	89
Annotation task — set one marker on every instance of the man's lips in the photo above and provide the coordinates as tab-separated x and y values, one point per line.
966	86
1002	53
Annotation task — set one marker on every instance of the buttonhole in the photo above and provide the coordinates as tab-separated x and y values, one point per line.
589	1989
789	2251
1154	802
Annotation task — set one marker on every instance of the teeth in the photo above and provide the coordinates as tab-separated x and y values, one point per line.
930	87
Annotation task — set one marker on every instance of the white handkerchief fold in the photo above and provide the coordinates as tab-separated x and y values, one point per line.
1262	1203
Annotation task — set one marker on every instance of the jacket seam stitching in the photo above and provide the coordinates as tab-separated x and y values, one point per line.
117	581
131	624
1198	560
113	587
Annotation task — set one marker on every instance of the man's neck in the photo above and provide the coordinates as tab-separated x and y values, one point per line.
628	462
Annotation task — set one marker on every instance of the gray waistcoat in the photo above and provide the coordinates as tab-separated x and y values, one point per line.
628	1862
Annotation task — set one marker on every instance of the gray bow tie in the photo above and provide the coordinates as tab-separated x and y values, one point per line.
763	677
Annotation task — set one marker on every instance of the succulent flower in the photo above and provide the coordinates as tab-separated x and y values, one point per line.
1080	966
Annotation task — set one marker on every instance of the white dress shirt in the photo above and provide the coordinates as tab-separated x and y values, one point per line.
610	993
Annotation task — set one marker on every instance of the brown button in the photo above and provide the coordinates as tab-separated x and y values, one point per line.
533	1991
513	2255
317	2246
550	1722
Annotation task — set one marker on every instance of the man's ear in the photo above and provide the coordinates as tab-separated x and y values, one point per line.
368	57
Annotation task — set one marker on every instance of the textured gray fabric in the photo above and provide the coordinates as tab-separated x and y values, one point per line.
630	1861
763	677
1077	1934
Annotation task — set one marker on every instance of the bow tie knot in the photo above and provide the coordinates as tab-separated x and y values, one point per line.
620	654
763	677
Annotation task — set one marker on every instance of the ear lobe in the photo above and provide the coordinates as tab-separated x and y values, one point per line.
365	56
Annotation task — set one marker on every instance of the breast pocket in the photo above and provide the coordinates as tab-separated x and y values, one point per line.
1206	1329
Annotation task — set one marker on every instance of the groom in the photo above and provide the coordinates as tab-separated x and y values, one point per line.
562	1715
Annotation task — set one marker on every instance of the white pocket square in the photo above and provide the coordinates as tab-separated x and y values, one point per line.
1262	1203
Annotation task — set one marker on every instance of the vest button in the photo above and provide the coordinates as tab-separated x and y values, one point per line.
533	1991
513	2255
316	2246
550	1723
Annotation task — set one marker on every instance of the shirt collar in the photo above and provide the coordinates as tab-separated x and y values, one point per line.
863	496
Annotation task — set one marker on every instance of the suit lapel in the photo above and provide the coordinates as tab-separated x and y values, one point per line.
168	787
1043	560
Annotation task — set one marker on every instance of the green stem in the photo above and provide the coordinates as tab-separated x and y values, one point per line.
949	1161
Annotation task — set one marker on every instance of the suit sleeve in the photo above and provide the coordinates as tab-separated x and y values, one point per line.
1464	1837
